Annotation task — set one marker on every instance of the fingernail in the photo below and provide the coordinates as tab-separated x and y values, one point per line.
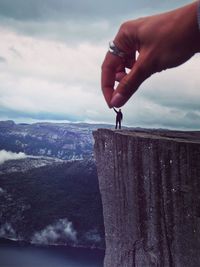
118	100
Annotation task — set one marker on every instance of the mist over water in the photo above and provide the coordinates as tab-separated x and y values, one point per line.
32	256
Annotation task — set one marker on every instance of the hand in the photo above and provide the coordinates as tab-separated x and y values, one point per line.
163	41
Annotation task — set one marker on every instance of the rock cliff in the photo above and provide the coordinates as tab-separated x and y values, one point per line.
150	188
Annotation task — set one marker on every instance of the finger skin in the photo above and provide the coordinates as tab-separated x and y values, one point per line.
120	75
163	41
108	76
113	69
131	82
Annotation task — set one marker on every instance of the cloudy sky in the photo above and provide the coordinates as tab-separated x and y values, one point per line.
50	65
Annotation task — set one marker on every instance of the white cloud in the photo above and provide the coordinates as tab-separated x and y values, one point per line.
8	155
49	59
93	236
166	99
61	232
49	76
7	231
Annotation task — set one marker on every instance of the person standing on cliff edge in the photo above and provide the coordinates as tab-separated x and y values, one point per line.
119	117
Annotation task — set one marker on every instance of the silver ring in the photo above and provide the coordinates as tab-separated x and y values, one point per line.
115	50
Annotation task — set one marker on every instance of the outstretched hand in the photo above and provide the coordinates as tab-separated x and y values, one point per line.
163	41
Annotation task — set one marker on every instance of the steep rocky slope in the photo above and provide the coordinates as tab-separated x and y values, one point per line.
51	202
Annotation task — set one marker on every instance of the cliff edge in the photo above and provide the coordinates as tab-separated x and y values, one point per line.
150	187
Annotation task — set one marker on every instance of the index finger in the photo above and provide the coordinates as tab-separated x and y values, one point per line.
108	74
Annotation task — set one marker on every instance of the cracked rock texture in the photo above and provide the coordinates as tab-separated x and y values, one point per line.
150	187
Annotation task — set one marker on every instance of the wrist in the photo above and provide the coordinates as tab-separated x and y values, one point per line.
190	16
198	15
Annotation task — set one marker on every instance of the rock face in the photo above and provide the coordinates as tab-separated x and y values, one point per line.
150	188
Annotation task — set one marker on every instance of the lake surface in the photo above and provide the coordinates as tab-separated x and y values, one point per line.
17	255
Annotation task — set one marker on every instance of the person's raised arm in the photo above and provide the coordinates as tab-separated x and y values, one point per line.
163	41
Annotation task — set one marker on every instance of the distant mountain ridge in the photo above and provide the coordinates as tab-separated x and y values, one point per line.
61	140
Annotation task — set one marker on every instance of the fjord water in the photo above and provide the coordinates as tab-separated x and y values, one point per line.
15	255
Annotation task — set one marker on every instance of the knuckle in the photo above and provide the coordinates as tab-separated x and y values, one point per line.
125	38
124	29
126	86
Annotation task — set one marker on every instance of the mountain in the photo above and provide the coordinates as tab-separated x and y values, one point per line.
60	140
28	163
51	195
58	203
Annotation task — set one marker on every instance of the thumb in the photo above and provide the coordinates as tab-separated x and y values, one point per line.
140	71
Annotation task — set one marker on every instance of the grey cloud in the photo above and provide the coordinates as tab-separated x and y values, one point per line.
51	9
173	100
2	59
171	121
193	116
20	9
189	120
46	9
77	20
173	89
7	113
152	113
15	52
68	31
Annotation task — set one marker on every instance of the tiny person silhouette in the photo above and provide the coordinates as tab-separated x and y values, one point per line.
119	117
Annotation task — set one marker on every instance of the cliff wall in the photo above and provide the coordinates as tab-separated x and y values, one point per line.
150	188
